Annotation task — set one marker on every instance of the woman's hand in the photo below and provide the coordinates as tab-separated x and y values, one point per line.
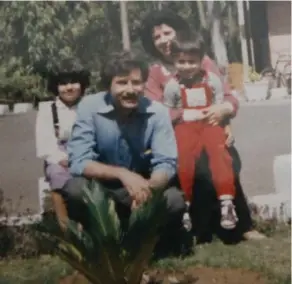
216	113
229	137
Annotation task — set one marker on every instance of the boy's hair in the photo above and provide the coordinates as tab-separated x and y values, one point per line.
120	64
157	18
193	45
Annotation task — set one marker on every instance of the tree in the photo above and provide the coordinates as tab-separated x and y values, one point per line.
36	35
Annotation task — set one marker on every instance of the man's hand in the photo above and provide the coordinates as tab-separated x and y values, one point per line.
136	185
64	163
216	113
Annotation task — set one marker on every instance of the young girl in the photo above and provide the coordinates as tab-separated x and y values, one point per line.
194	91
54	124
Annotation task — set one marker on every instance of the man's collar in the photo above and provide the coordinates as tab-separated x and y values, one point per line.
107	105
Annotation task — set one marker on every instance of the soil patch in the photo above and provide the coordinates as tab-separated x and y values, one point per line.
204	275
191	275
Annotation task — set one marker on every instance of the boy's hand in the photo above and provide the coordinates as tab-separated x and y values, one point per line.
229	137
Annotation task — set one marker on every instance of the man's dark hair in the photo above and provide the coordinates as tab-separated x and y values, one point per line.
157	18
67	70
193	45
121	64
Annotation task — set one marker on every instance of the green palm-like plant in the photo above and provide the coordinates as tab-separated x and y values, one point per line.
104	253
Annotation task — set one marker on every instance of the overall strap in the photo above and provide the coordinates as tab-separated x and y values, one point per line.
187	91
55	119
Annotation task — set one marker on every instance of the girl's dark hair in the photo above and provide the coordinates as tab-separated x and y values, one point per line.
157	18
120	64
193	45
68	70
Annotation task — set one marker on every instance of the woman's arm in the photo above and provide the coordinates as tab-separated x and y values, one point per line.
230	101
154	91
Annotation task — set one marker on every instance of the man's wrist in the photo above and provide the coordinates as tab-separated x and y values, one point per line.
119	172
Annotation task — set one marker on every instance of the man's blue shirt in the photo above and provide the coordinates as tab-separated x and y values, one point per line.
97	136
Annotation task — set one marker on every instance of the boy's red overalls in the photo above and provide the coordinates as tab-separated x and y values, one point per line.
194	136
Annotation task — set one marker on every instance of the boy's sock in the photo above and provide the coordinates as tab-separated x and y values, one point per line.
228	214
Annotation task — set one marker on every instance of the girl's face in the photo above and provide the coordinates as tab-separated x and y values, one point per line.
69	92
162	36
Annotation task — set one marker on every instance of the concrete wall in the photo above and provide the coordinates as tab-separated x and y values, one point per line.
279	21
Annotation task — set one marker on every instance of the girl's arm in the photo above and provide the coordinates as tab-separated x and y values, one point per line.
46	141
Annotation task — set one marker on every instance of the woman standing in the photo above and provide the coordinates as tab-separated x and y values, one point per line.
54	123
159	29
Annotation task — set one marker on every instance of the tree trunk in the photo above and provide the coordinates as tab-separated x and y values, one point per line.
218	42
125	26
202	14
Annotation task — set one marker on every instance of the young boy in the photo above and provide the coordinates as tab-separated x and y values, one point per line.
193	91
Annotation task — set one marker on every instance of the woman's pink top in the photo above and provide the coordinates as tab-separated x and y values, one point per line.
159	76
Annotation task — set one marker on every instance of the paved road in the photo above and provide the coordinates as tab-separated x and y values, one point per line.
19	167
262	132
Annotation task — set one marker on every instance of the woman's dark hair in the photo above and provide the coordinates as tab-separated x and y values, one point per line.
120	64
68	71
193	45
157	18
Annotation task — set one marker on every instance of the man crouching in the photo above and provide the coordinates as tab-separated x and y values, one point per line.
111	139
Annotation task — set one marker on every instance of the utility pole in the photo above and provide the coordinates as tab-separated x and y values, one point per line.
124	24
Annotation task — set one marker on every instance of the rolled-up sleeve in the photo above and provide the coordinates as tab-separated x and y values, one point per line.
163	144
82	144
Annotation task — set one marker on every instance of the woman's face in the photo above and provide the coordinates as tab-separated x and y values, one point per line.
69	93
162	36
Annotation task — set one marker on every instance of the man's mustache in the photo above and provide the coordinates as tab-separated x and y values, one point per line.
130	96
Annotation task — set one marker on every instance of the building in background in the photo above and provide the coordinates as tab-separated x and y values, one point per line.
268	31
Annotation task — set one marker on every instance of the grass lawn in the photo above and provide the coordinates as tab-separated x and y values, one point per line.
270	258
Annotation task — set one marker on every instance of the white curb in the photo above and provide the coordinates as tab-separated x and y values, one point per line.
4	109
272	207
276	205
256	91
22	108
282	174
19	221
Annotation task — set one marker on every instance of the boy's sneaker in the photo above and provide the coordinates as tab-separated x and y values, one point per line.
187	222
228	214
